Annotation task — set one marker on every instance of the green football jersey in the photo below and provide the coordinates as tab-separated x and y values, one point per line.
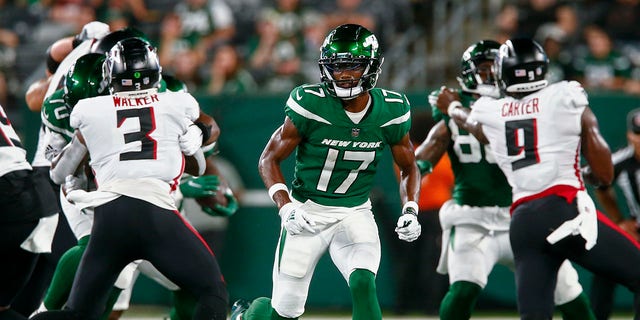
337	159
55	115
479	181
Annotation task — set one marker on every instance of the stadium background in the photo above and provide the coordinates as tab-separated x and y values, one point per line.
422	42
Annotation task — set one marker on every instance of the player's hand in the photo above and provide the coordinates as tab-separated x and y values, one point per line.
72	183
225	211
295	219
408	228
445	98
93	30
191	140
631	227
202	186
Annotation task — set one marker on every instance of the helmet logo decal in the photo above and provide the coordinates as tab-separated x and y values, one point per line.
372	42
136	75
520	72
127	82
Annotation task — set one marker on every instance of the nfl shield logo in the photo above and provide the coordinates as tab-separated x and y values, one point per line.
355	132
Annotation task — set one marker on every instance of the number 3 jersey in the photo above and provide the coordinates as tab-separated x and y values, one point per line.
536	139
135	137
337	158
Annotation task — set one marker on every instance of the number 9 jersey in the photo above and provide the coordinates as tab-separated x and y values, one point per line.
336	164
135	137
540	132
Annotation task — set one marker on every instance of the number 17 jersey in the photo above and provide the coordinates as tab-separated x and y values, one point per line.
337	158
135	137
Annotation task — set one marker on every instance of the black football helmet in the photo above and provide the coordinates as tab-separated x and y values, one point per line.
350	46
521	66
471	75
107	42
132	65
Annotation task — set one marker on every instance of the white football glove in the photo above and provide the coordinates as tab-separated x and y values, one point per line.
295	219
93	30
72	183
191	140
408	228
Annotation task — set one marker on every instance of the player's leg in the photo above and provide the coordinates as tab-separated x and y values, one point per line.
536	267
602	295
614	257
472	253
62	280
569	297
355	250
173	241
18	264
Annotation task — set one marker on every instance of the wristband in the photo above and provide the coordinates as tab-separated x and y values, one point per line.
206	131
411	207
210	149
424	166
275	188
454	104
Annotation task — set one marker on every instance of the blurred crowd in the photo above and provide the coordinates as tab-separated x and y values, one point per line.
257	46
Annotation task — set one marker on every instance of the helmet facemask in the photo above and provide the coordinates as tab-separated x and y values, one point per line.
366	82
477	61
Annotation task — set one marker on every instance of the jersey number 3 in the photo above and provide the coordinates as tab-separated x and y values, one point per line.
522	141
147	122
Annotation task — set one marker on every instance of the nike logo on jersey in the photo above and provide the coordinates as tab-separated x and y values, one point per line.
298	96
355	144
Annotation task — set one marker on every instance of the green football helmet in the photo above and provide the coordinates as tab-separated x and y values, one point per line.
470	78
84	79
350	47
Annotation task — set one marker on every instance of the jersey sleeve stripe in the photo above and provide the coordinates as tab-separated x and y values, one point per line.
304	112
398	120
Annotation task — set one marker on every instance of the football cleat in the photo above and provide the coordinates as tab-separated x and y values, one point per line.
238	308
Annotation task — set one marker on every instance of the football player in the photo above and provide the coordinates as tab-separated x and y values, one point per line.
85	80
537	132
475	222
27	207
135	138
340	128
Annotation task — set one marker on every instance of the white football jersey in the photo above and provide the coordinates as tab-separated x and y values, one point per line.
39	158
536	139
12	155
135	137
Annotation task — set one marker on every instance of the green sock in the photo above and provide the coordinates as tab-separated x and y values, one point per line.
577	309
459	301
362	284
62	280
184	303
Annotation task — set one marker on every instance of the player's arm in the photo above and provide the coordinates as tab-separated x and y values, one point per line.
209	127
433	147
281	144
408	228
404	158
595	149
35	94
449	103
68	161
